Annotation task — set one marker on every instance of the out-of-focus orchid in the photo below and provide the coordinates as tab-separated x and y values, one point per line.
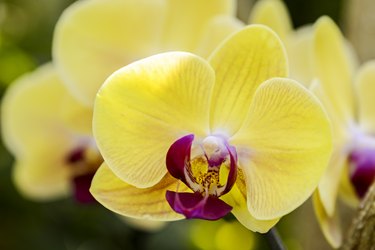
184	137
49	132
93	38
349	102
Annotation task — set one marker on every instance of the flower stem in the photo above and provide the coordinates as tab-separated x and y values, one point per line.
274	239
361	233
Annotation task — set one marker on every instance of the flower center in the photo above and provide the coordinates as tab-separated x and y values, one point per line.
209	169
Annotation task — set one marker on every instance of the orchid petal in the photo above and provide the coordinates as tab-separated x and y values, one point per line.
340	132
215	32
94	38
142	203
346	189
365	84
186	20
284	147
38	107
299	46
151	103
274	14
178	157
330	182
242	63
333	68
197	206
329	224
42	175
237	199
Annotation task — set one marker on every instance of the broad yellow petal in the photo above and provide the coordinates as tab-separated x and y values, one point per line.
329	224
141	203
38	109
333	68
242	63
284	147
299	46
186	20
43	174
365	84
274	14
94	38
215	32
144	107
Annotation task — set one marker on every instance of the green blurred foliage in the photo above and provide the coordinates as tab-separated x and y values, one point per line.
26	30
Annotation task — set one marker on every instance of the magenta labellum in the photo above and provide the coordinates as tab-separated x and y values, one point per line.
210	173
362	174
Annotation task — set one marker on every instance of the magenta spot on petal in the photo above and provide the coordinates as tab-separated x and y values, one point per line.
81	185
363	170
76	155
195	205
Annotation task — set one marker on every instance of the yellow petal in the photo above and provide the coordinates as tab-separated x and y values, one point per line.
215	32
346	189
186	21
284	147
242	63
38	107
333	68
329	224
237	200
147	203
144	107
43	174
340	132
94	38
299	46
274	14
329	184
365	84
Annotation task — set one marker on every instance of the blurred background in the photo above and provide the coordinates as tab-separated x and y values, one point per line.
26	28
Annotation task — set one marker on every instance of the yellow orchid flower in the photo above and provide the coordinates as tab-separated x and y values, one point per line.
350	105
93	38
298	42
49	132
184	137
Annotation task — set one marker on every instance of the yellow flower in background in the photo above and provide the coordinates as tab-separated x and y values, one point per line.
93	38
49	133
349	102
221	235
298	42
184	137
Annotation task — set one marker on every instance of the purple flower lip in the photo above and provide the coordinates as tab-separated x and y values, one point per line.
362	174
204	202
82	171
